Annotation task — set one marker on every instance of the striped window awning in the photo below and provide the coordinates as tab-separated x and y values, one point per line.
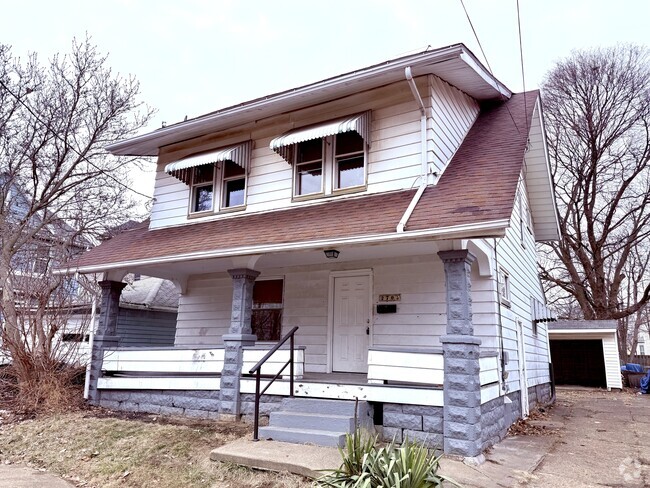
239	154
286	143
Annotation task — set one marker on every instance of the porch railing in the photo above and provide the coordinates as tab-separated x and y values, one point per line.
257	371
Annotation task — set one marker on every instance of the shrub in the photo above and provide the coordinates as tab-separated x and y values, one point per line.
367	466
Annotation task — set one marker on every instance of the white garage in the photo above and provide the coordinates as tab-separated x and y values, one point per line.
585	353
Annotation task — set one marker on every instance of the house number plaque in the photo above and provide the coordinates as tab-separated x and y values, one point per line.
390	298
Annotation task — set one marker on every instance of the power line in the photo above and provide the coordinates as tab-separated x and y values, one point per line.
56	135
521	58
471	24
476	36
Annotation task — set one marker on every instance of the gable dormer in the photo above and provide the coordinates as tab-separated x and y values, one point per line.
388	127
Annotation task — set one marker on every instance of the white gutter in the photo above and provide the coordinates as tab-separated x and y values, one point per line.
409	210
148	144
491	229
423	151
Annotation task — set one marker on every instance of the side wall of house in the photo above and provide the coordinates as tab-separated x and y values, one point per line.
394	156
516	255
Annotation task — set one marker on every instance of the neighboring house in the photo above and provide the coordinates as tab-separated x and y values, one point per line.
643	342
146	317
390	213
148	305
585	353
41	300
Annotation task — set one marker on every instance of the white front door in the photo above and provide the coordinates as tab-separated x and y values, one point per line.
351	324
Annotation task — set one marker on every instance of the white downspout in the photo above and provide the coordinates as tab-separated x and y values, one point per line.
91	340
423	151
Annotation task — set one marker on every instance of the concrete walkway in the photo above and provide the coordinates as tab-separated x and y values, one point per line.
597	439
16	476
605	442
309	461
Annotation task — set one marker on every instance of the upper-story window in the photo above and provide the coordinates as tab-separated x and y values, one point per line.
327	158
203	188
233	188
342	156
217	179
349	161
309	167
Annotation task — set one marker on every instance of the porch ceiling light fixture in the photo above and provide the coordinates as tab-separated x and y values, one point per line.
331	253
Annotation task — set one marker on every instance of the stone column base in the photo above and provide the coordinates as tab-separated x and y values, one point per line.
229	395
462	395
100	344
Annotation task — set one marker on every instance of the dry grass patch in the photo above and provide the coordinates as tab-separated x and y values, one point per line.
104	451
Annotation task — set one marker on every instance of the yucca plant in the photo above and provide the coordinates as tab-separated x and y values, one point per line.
367	466
353	471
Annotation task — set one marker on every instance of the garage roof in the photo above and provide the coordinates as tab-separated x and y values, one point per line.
578	325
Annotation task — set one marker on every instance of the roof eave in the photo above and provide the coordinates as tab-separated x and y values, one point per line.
422	63
495	228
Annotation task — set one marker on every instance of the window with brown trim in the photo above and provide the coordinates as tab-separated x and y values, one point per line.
330	164
203	188
266	319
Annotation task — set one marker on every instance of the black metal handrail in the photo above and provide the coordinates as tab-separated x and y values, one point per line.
257	370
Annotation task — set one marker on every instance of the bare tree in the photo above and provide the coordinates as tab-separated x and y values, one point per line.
597	109
58	186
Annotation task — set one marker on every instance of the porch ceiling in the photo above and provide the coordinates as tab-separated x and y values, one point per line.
311	257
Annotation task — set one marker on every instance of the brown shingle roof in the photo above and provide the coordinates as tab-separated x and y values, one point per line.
478	187
481	180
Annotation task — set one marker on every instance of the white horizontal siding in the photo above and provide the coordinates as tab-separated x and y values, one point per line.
204	310
306	306
517	256
452	114
170	200
421	316
484	309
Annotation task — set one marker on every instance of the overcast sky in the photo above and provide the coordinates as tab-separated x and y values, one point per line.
195	56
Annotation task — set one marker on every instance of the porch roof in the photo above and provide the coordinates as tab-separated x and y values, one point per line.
474	198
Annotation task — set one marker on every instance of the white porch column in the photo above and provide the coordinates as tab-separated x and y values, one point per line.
239	335
106	335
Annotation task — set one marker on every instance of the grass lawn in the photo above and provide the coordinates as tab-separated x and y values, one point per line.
99	448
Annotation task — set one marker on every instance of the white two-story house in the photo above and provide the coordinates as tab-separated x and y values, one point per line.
390	214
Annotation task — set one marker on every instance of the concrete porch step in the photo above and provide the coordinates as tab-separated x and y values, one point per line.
316	421
323	407
303	436
301	420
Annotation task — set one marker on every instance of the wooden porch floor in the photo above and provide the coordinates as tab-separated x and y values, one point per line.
336	378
